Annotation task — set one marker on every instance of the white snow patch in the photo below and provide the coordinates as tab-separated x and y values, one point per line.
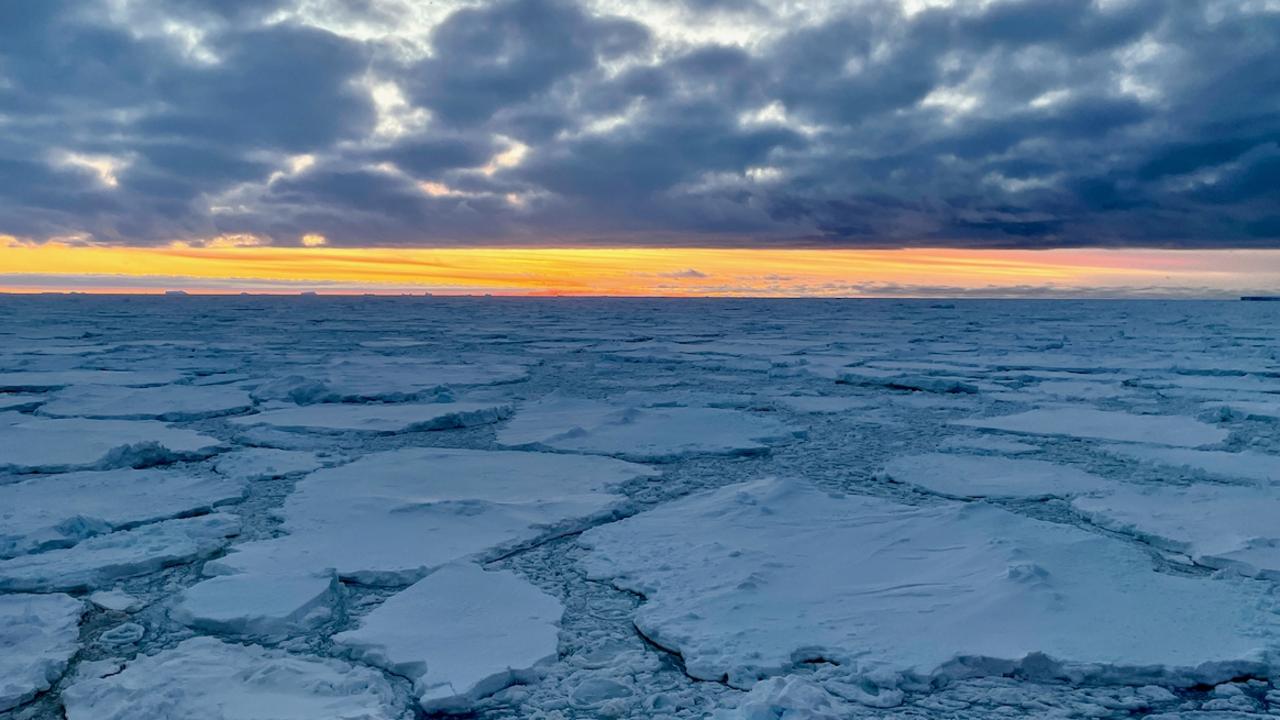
460	634
48	511
382	419
101	560
115	600
1105	425
644	434
206	679
752	579
975	476
38	636
31	444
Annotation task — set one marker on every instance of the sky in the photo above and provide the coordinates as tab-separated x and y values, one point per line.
684	147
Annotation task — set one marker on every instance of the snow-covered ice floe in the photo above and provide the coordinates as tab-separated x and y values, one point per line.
42	512
208	679
1221	526
172	403
387	379
460	634
38	636
973	476
644	434
52	380
391	517
32	444
255	605
1243	465
265	463
753	579
381	419
1105	425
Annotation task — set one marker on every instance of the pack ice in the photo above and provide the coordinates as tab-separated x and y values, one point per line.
169	402
32	444
1106	425
752	579
38	634
970	476
381	419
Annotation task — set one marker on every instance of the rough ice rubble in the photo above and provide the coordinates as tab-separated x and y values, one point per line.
206	679
1083	422
33	444
383	419
38	636
460	634
972	476
639	433
1220	526
171	403
102	559
253	464
48	511
382	378
752	579
391	517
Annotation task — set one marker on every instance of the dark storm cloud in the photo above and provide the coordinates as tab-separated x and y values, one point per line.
1018	123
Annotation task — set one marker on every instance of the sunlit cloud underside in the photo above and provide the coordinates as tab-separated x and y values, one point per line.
677	272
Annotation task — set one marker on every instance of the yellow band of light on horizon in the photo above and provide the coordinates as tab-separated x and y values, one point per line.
627	271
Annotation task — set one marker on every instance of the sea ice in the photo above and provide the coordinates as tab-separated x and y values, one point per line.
972	476
382	419
52	380
752	579
265	463
460	634
206	679
38	636
393	379
644	434
101	560
1245	465
17	401
391	517
822	404
1218	526
1105	425
47	511
257	605
988	443
31	444
172	403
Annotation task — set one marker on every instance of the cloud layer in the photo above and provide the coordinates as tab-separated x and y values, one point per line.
877	123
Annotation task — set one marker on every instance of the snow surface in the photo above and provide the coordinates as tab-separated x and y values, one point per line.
1105	425
171	403
30	444
973	476
642	434
750	580
206	679
460	634
386	419
60	510
368	520
38	636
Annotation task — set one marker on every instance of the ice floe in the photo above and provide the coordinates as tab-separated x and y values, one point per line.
1244	465
265	463
753	579
103	559
256	605
52	380
42	512
172	403
381	419
38	636
391	517
32	444
639	433
1105	425
460	634
973	476
357	379
207	679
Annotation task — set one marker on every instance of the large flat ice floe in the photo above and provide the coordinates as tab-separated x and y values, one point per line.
460	634
1105	425
1219	526
974	476
52	380
38	636
382	419
750	580
640	433
32	444
359	379
173	403
208	679
252	605
391	517
100	560
50	511
1243	465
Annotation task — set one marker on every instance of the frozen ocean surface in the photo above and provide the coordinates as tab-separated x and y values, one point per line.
311	507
